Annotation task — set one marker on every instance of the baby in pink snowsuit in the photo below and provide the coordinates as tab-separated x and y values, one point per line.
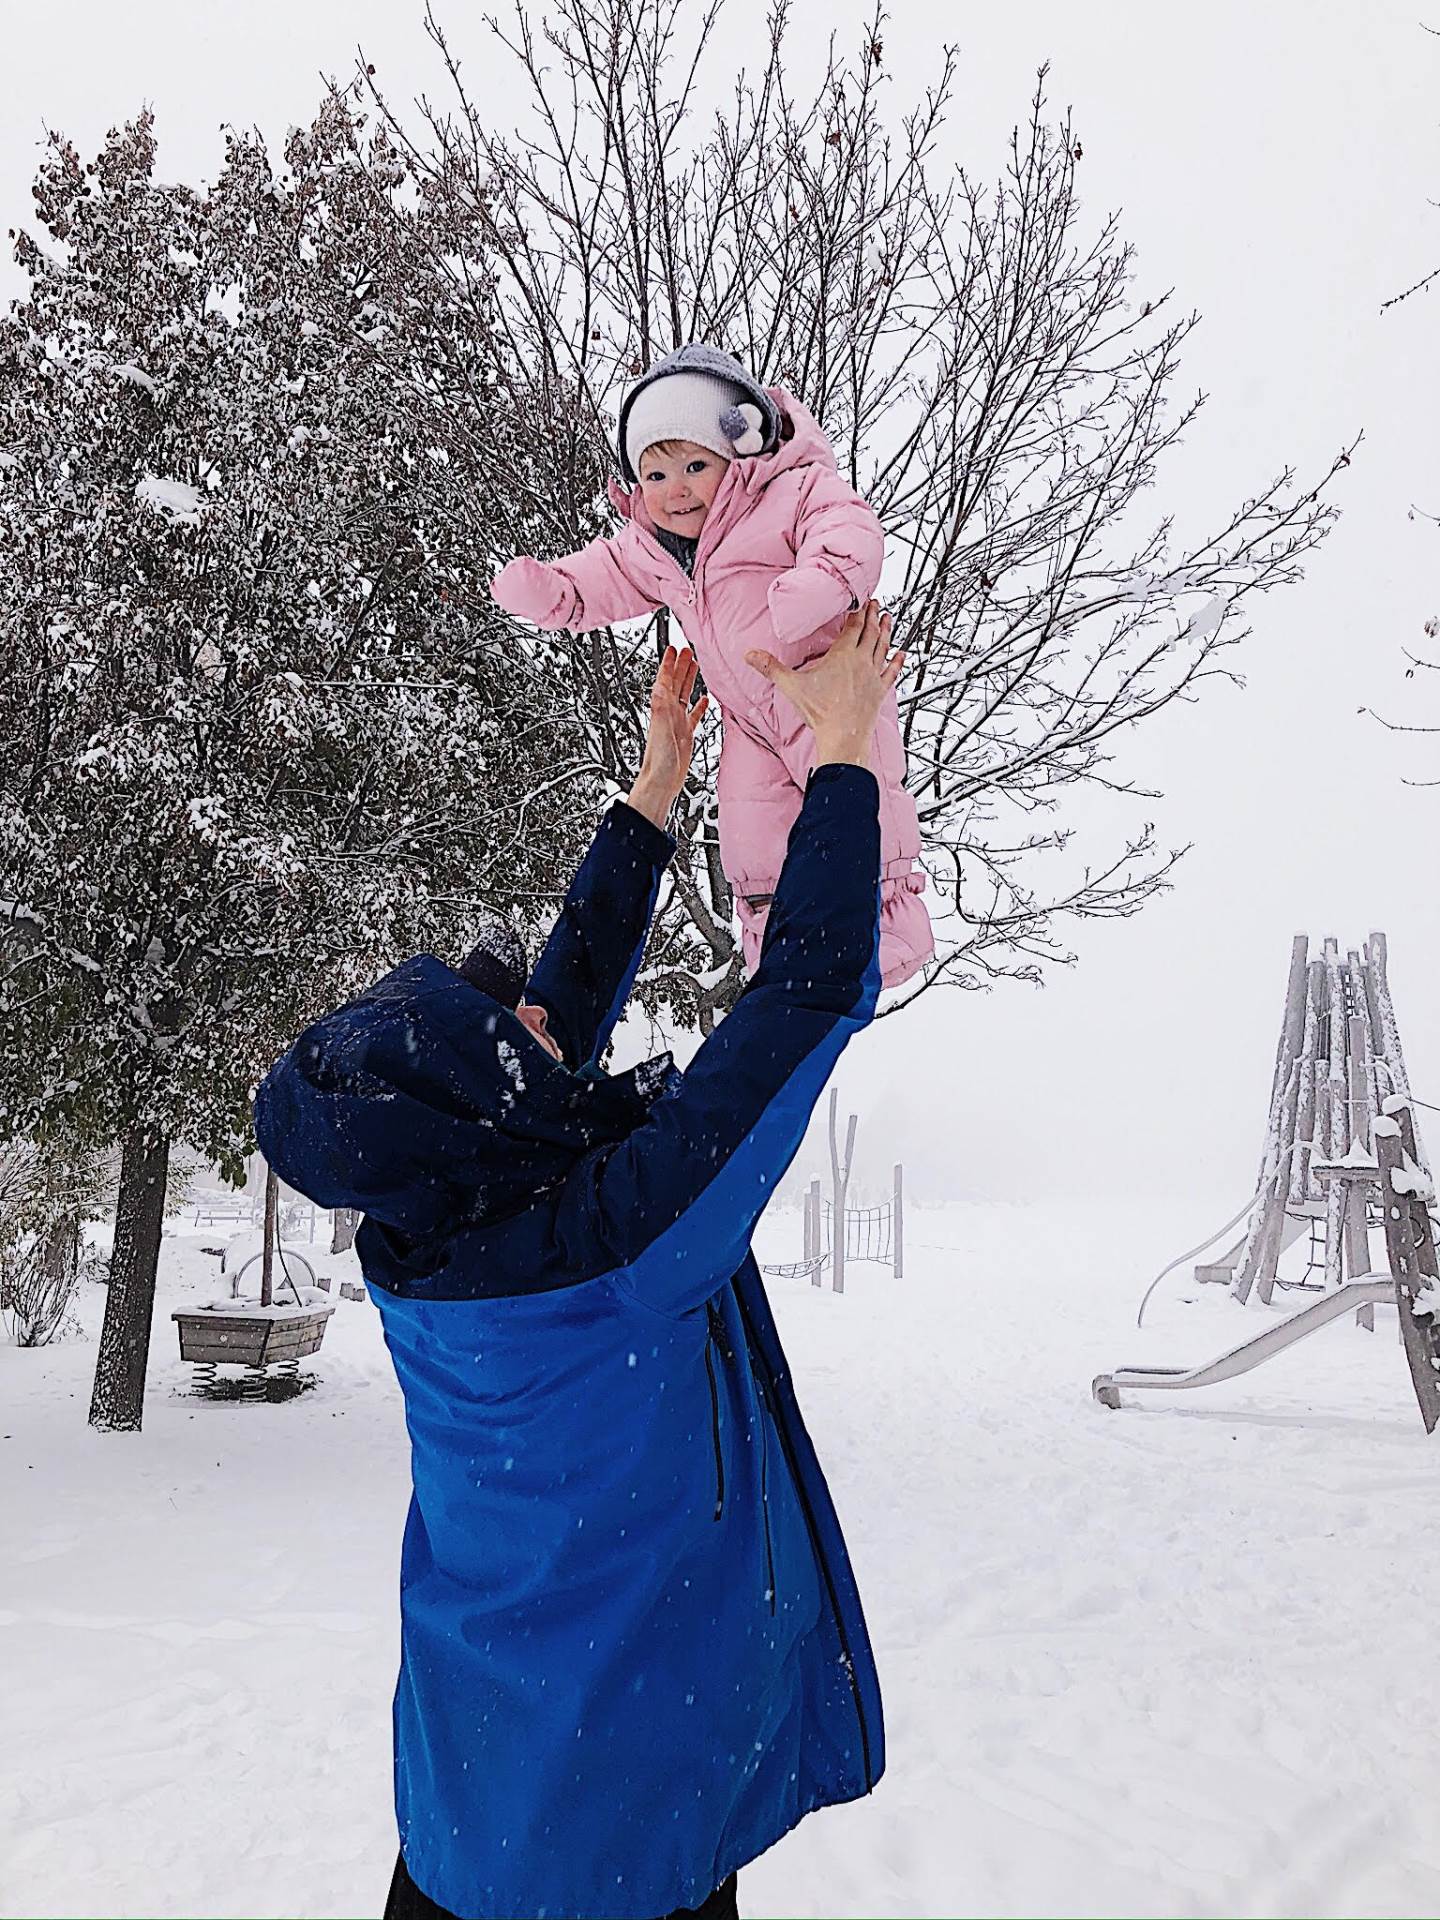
737	519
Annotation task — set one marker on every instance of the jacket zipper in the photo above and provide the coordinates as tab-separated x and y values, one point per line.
718	1338
762	1372
670	561
765	1490
712	1341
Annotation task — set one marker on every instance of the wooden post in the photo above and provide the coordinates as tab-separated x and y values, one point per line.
1301	1181
1334	1235
1410	1245
1364	1047
1296	1009
1320	1140
1394	1054
813	1235
1338	1101
267	1256
897	1224
837	1203
1384	1080
840	1179
1375	1088
1273	1232
1357	1238
1267	1223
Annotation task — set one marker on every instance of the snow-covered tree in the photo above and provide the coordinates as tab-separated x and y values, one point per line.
262	731
993	380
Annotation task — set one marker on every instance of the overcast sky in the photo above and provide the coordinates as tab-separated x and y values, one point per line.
1273	163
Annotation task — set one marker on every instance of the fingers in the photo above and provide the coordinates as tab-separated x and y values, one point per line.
852	633
866	629
676	674
767	664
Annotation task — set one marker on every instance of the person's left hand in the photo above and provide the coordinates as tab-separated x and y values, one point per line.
670	739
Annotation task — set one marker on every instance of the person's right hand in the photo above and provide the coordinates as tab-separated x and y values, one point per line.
839	696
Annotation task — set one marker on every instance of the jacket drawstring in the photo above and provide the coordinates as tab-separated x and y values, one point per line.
718	1338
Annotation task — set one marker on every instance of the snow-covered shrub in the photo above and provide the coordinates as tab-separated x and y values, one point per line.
37	1280
45	1200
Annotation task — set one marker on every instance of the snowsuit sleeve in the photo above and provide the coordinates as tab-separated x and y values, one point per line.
591	588
584	975
838	555
671	1209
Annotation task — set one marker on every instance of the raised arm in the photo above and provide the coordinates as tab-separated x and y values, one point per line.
588	965
584	976
590	588
674	1205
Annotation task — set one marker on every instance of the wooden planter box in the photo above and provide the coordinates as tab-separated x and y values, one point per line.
241	1339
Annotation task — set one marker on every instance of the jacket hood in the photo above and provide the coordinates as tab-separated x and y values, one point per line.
802	443
425	1104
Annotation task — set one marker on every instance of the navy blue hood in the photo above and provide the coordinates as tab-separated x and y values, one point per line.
426	1105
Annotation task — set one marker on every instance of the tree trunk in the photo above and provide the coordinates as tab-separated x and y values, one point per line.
117	1402
343	1225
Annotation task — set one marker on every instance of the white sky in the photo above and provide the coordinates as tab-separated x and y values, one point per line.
1273	163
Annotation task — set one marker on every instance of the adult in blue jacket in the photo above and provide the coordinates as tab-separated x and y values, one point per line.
633	1654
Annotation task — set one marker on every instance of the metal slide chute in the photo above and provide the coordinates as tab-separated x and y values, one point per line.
1252	1352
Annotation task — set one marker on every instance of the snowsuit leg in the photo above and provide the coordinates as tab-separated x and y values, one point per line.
759	802
765	761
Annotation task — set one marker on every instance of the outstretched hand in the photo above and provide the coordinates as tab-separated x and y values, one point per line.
670	738
839	695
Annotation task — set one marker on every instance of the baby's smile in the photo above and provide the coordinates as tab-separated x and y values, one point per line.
679	479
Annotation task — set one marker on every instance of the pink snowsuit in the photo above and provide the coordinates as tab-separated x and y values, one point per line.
786	550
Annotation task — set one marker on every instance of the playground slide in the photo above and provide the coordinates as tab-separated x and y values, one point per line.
1365	1291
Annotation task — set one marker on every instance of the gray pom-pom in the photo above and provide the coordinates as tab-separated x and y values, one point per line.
743	427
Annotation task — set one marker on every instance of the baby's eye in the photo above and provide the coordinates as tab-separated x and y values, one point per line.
652	476
697	466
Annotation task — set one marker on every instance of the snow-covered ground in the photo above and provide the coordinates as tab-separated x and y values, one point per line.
1173	1660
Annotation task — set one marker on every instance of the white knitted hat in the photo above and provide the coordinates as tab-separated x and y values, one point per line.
703	407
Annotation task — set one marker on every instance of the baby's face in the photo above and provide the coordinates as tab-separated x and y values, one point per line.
679	480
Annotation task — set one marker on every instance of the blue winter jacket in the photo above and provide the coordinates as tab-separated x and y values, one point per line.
633	1655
